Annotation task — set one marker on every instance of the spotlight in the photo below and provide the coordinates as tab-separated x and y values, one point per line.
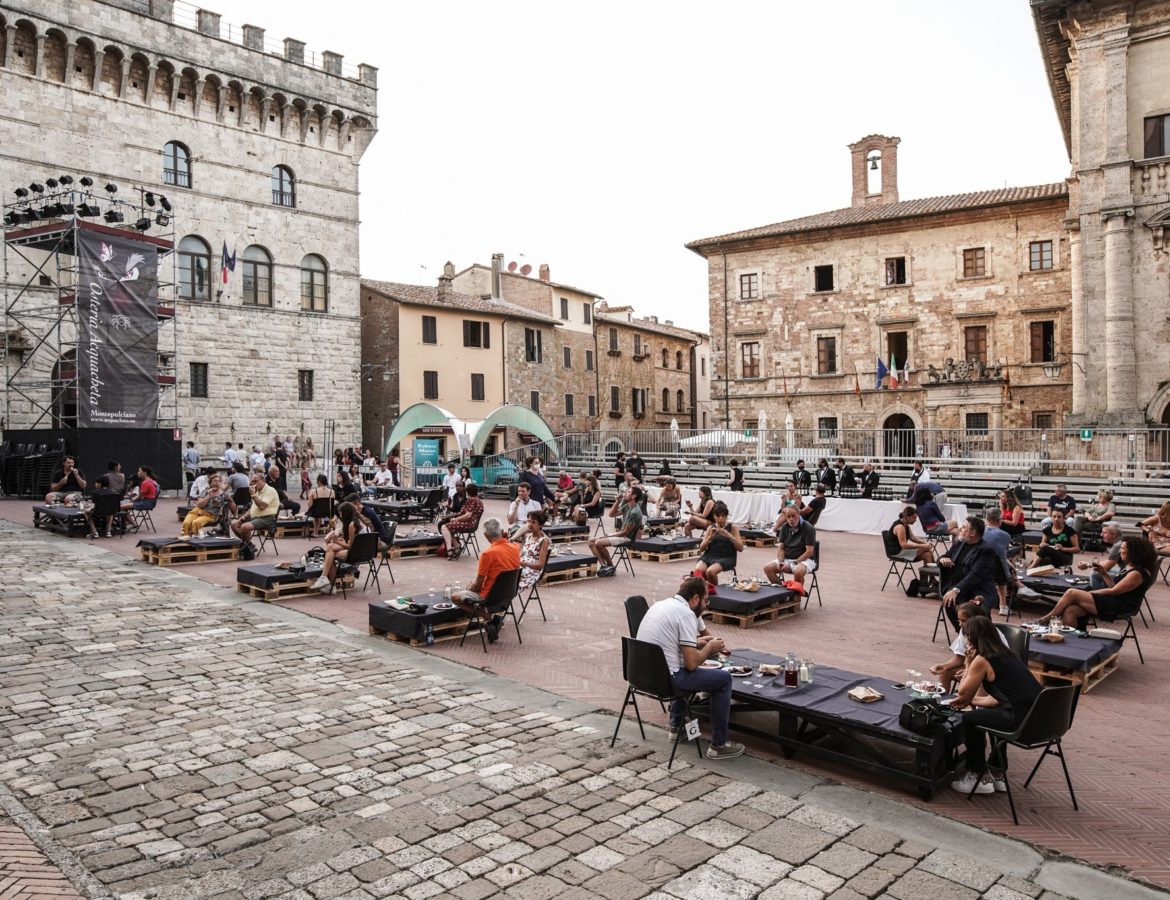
53	210
51	182
39	188
162	220
86	181
66	179
11	219
149	198
88	211
21	192
112	216
30	215
164	202
111	189
142	224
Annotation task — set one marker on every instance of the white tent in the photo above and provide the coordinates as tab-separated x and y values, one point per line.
722	437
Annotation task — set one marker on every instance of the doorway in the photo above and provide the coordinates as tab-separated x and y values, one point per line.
899	437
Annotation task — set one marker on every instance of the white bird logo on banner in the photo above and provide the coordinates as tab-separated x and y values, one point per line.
132	263
107	253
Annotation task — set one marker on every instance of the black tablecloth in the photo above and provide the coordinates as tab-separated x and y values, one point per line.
394	508
564	562
566	529
64	513
729	600
1077	654
412	625
660	521
1055	584
270	576
757	534
419	540
664	544
206	543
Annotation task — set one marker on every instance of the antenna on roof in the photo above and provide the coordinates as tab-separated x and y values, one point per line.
512	266
525	270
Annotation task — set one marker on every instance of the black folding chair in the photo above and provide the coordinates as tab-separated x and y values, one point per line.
465	542
321	509
814	585
898	566
1130	633
386	548
1017	639
636	609
621	557
138	519
267	536
533	594
498	602
646	674
942	619
1044	726
363	551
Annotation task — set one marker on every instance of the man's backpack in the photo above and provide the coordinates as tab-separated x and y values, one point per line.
913	587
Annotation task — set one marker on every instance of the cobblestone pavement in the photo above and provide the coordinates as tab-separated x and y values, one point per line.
167	743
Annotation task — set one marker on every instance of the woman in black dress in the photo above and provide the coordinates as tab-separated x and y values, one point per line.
700	516
1123	593
1010	689
1059	544
735	479
720	547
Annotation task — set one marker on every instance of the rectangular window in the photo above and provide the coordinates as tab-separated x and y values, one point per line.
430	385
588	360
533	351
534	401
305	385
898	346
199	380
975	342
976	423
827	428
826	356
568	404
1043	420
896	270
637	345
615	399
591	405
430	330
1040	256
823	278
749	286
587	313
749	359
613	341
638	401
565	308
1157	136
568	357
703	366
974	262
1043	341
477	386
476	334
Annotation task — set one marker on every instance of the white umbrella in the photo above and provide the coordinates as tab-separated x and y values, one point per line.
763	434
674	430
789	431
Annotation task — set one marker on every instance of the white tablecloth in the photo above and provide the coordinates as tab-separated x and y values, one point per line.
841	514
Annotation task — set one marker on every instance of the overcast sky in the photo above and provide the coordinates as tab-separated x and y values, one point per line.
599	138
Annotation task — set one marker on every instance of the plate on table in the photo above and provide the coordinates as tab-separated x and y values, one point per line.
442	605
711	664
739	671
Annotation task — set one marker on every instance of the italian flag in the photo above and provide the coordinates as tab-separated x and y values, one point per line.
893	374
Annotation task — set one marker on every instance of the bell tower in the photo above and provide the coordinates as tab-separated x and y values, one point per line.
875	170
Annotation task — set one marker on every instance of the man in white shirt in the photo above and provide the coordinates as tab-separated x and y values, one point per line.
383	478
673	624
257	458
450	480
519	510
199	487
229	455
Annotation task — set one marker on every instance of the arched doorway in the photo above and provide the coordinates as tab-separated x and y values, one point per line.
899	437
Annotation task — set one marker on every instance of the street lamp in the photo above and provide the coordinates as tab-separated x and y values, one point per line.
1052	367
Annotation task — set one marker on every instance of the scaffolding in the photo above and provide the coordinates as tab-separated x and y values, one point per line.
41	268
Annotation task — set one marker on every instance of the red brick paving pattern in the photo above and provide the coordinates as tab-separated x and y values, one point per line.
1117	750
25	873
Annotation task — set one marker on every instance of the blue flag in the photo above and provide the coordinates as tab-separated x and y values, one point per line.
882	372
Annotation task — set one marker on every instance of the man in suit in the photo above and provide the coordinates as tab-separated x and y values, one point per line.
802	476
969	569
826	475
846	476
869	481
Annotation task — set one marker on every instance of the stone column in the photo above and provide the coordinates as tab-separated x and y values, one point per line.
39	66
197	96
1120	365
1078	344
99	61
70	56
122	88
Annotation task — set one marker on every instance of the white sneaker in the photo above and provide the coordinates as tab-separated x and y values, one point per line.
998	781
320	583
982	785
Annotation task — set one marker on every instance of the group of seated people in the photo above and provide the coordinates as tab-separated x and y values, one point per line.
68	484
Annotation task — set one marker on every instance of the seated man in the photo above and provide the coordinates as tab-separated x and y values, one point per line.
910	548
947	672
209	507
275	480
263	511
816	505
65	482
116	476
383	478
200	485
968	569
1110	564
673	624
147	491
464	523
103	489
501	555
869	481
1061	500
518	511
238	477
795	545
628	506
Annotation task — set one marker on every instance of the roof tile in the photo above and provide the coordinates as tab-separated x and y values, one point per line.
422	295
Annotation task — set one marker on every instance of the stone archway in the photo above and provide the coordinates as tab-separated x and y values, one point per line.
899	437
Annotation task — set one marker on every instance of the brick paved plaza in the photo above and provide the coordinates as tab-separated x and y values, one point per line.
165	738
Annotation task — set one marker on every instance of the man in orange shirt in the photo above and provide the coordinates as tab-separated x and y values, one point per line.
500	556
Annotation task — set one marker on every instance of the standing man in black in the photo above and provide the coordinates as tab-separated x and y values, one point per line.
280	457
801	476
968	570
826	475
635	466
869	481
846	477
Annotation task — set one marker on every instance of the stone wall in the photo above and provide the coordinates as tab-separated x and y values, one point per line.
381	397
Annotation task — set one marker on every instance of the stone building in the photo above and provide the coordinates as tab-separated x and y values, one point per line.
706	412
465	354
802	311
1108	64
256	147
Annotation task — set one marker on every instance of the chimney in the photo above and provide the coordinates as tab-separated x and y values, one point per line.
497	263
877	152
602	307
653	319
445	280
545	274
668	322
331	62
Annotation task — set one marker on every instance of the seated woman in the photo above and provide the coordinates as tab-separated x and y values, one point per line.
913	550
455	505
467	520
1010	688
719	548
1059	544
953	667
702	516
1012	517
534	550
1157	528
792	496
669	499
1097	514
930	516
591	503
1123	593
352	523
321	492
208	508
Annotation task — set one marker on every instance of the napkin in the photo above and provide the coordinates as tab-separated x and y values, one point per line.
865	694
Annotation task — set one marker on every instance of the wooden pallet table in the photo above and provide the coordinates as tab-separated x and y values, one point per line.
298	527
662	549
747	610
411	628
448	631
569	567
67	520
754	537
566	533
407	546
168	552
1076	660
269	583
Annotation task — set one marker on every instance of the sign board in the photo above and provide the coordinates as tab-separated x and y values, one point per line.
1086	434
177	434
464	442
426	452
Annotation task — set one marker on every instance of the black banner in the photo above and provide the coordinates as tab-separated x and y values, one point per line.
117	352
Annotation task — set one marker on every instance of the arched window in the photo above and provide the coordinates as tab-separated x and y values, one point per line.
257	277
665	357
284	187
194	268
678	359
176	165
314	284
680	402
666	399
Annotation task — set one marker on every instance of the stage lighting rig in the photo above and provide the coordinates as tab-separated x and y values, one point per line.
86	181
37	187
113	216
21	192
162	220
11	219
142	224
111	189
52	183
164	202
65	179
88	210
149	198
